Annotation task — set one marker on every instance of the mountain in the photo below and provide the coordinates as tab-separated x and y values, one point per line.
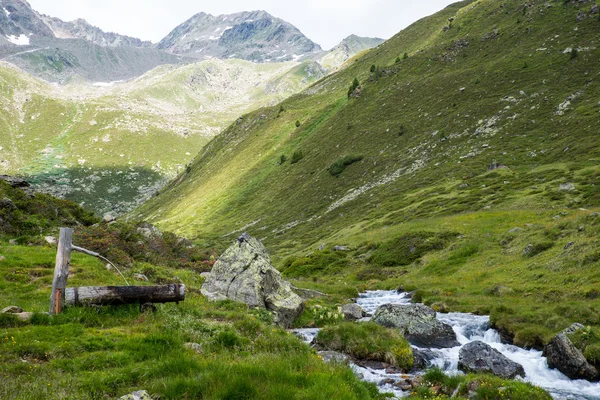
81	29
254	36
468	170
348	48
111	146
18	21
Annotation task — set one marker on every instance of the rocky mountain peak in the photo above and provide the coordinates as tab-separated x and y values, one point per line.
18	21
251	35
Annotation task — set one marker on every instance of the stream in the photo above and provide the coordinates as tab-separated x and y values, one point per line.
469	328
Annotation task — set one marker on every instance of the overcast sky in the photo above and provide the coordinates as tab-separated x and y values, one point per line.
326	22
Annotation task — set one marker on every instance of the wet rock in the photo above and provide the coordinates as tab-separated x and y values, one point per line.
353	312
244	273
334	357
479	357
386	381
568	359
11	310
139	395
421	359
418	325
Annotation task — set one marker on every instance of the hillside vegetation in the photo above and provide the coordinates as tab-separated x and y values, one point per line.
110	146
511	86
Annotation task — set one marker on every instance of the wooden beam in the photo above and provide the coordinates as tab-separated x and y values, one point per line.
100	295
61	271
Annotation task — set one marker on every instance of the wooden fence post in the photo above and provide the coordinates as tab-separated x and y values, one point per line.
61	270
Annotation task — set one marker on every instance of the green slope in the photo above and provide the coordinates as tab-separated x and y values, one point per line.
483	82
110	147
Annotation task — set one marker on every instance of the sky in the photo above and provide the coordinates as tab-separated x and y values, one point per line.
325	22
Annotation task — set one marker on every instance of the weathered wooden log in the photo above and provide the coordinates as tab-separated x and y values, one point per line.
61	271
101	295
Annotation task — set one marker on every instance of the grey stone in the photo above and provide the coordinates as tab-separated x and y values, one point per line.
14	181
11	310
479	357
581	16
562	354
51	240
141	277
109	217
139	395
334	357
421	358
7	204
353	312
418	324
340	248
244	273
24	316
307	294
193	346
595	9
566	187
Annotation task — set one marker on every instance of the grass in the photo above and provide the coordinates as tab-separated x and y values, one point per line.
92	353
437	385
367	341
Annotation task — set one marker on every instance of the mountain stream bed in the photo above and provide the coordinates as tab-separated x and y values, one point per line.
469	328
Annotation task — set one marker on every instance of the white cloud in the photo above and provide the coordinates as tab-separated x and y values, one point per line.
326	22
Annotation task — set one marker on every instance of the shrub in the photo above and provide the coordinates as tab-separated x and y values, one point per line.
367	341
298	124
373	68
282	159
405	56
340	165
297	156
355	84
574	53
316	263
398	59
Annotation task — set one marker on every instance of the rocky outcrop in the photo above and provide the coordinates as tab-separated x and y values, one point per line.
244	273
568	359
418	324
479	357
353	312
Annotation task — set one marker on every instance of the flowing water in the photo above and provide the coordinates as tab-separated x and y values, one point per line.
469	328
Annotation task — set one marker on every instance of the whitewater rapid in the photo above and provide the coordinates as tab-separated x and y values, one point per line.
469	328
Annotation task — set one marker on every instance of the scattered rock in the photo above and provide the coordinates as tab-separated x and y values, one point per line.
7	204
2	258
422	359
51	240
12	242
340	248
581	16
244	273
334	357
109	217
24	316
14	181
480	357
11	310
353	312
148	230
493	166
418	324
595	9
108	267
193	346
566	187
569	245
307	294
141	277
139	395
515	230
568	359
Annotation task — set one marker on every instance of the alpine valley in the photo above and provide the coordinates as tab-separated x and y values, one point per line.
411	218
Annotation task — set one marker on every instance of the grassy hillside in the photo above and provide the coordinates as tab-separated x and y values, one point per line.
111	146
402	165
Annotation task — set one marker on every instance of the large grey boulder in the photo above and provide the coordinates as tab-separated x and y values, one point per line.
353	312
479	357
418	324
562	354
11	310
244	273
